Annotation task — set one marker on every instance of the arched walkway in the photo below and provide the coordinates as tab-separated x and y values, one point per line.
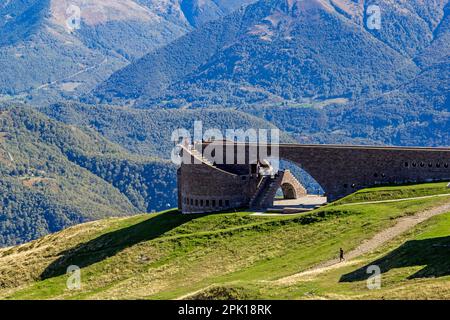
289	191
291	187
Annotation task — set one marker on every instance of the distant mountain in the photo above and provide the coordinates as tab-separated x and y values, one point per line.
406	26
279	50
193	13
279	59
53	176
53	49
160	68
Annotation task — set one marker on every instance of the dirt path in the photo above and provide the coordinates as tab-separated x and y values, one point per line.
403	224
191	294
46	85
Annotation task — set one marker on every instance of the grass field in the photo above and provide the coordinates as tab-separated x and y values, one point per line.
237	255
396	192
414	266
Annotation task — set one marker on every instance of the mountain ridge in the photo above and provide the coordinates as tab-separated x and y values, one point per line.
261	9
59	58
278	58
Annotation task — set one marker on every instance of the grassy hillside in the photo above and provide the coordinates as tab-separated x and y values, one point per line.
396	193
414	266
53	176
234	255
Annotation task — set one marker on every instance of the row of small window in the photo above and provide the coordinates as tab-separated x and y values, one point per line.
206	203
423	165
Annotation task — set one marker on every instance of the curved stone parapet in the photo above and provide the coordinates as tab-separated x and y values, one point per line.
206	186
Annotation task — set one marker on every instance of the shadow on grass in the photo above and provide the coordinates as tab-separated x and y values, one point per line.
109	244
433	254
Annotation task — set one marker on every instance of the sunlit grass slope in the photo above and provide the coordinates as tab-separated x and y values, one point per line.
232	255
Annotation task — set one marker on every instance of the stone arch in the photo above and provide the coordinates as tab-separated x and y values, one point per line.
304	178
289	192
291	187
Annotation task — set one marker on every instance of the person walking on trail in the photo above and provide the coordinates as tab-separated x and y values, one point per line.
341	255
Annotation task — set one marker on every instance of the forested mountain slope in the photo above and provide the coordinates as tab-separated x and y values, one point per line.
149	132
54	176
312	67
278	50
53	49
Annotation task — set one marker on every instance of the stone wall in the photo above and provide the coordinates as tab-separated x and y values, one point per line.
342	170
204	188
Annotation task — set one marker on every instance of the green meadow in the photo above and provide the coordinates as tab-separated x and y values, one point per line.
236	255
